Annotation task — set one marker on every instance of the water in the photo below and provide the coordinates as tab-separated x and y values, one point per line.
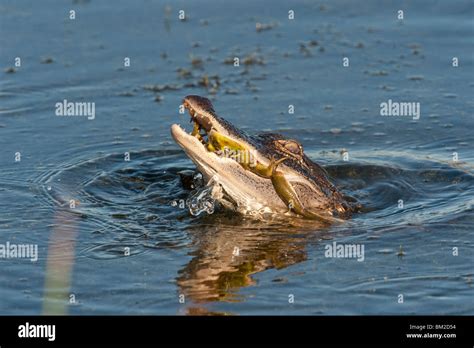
116	236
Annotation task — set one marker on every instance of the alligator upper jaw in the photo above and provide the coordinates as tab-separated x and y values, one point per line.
195	149
206	122
195	143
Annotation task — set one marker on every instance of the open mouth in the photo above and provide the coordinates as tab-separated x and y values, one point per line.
213	138
201	125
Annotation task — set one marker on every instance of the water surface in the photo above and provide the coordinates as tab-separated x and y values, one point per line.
126	248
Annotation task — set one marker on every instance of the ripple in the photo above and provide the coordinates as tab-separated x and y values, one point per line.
137	203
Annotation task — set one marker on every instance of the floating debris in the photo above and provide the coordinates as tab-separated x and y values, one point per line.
250	59
414	46
197	62
158	98
253	59
229	60
377	73
251	87
387	88
10	70
47	60
126	94
262	26
184	73
210	82
450	95
161	88
304	50
416	77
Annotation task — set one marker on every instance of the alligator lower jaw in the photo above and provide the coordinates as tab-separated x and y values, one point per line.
188	141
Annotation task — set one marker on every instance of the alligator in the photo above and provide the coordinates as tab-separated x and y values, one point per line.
264	172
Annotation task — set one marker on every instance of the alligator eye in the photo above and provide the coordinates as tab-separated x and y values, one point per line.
291	146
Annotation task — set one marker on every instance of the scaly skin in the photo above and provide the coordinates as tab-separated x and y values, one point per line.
282	187
301	185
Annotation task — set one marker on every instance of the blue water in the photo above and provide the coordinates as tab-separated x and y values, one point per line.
125	249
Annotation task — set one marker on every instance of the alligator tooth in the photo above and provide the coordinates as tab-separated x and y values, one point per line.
195	131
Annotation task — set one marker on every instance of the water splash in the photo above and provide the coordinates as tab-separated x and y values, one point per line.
203	199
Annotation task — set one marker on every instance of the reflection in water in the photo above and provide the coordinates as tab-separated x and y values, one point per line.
229	252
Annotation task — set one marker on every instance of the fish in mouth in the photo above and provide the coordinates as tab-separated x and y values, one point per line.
264	172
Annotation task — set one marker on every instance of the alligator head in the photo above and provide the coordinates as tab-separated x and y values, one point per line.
265	171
